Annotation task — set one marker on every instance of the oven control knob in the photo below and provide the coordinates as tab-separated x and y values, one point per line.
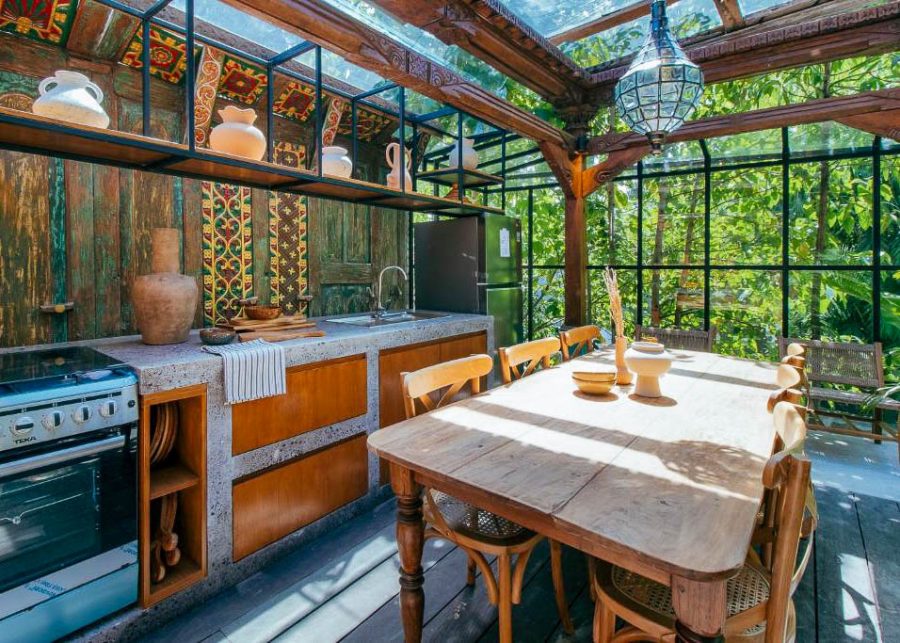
82	414
22	426
109	409
53	420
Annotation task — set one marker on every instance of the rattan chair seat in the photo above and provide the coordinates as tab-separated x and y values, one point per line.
746	590
468	520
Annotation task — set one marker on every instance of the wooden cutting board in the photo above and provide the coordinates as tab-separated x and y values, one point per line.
241	325
279	335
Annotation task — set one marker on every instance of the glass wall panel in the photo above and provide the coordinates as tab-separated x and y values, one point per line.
750	146
547	301
745	216
611	215
827	137
890	324
831	212
890	210
598	301
673	298
549	220
673	219
745	308
831	304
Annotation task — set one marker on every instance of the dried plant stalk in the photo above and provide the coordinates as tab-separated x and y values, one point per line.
615	301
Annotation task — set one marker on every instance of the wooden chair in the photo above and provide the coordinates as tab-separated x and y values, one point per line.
758	597
522	360
578	341
478	532
677	338
844	373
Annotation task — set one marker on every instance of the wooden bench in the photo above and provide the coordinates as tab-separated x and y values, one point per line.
845	373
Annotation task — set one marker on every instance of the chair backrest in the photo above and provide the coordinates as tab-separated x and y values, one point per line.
787	477
790	424
679	338
846	363
453	376
578	341
522	360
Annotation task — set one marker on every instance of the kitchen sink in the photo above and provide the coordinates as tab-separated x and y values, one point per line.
398	317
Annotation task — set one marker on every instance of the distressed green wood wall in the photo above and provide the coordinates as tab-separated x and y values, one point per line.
72	231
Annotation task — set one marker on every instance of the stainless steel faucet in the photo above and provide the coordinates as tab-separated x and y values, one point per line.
379	306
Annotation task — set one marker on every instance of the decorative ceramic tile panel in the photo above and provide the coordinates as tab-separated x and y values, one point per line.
368	124
208	76
297	101
167	54
242	81
288	238
44	20
227	250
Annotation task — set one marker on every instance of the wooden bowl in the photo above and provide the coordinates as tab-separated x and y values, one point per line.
590	387
595	375
261	312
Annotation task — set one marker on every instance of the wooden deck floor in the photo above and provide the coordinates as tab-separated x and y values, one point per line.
344	587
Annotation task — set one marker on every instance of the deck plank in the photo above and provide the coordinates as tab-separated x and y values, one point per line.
846	598
880	523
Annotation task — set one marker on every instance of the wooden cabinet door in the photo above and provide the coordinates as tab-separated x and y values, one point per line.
463	346
390	364
317	395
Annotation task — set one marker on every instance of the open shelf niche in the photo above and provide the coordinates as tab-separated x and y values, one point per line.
172	473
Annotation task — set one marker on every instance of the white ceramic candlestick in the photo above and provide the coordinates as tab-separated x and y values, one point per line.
649	361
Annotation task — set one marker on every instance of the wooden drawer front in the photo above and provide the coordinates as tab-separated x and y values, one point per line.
272	504
463	346
317	395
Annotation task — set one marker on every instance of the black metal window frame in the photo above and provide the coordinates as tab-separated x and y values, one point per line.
876	269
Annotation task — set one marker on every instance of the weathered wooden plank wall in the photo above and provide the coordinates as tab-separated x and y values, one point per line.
72	231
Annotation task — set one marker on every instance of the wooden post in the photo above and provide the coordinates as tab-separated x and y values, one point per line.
410	541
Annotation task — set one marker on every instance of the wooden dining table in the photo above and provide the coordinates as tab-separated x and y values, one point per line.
667	487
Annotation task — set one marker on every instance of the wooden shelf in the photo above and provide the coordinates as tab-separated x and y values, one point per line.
170	480
450	176
180	577
26	132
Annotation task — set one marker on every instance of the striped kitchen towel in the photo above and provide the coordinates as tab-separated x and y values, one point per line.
253	370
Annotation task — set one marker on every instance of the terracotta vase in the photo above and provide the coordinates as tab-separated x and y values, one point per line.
164	301
623	375
71	96
237	135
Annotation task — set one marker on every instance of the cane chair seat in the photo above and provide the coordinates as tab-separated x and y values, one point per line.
468	520
679	338
744	591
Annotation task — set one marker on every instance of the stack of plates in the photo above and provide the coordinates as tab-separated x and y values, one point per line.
595	382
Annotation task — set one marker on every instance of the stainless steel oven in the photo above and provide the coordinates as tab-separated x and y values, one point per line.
68	494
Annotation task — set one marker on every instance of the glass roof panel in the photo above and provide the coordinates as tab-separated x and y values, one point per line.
826	138
676	156
335	66
243	25
553	17
687	18
752	6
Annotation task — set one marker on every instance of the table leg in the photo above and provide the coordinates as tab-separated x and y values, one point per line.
410	540
700	610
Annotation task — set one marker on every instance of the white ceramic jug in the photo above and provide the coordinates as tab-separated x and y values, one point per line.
392	154
469	155
71	96
236	134
336	162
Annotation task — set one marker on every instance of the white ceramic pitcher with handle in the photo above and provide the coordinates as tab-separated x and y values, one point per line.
392	155
71	96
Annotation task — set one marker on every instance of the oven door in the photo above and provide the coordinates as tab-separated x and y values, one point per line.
65	504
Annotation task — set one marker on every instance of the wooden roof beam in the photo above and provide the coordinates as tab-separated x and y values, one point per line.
368	48
730	13
790	41
494	34
607	21
876	111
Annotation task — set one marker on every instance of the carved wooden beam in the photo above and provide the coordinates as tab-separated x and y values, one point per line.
730	13
874	108
605	22
368	48
801	38
206	89
885	124
496	35
100	32
605	171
